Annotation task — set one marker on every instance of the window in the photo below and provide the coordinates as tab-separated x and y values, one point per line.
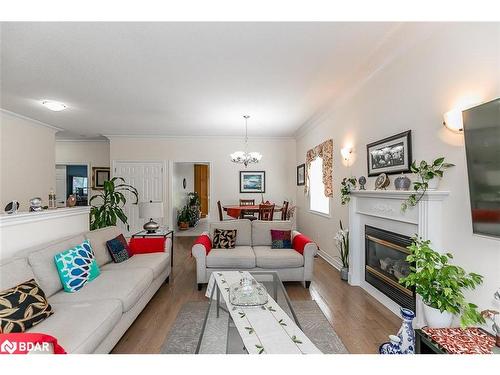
318	202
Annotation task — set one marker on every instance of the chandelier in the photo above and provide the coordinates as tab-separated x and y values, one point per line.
245	157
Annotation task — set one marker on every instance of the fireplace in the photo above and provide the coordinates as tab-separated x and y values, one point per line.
385	264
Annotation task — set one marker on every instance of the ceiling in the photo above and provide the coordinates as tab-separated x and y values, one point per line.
181	79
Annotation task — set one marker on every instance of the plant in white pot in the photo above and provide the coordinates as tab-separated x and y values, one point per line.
441	286
342	242
429	175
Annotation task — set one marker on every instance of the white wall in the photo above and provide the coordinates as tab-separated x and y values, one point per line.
93	153
27	164
278	161
180	172
459	63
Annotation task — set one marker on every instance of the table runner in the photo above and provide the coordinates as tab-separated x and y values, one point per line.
264	329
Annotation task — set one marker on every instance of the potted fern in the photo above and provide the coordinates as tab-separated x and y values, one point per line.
441	286
111	200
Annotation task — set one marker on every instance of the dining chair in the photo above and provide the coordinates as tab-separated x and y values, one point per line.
244	214
266	212
219	206
284	210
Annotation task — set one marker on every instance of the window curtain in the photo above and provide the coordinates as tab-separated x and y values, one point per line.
324	151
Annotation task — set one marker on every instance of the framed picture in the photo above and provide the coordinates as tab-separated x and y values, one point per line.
99	175
252	182
390	155
301	175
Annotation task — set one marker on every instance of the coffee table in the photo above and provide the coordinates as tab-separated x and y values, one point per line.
269	329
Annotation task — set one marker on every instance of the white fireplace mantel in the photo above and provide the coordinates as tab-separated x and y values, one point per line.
382	209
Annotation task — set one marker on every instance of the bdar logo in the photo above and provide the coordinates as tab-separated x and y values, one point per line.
9	347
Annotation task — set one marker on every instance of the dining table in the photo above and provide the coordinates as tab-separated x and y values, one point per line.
238	211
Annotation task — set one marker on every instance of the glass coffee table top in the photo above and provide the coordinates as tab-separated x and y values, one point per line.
219	334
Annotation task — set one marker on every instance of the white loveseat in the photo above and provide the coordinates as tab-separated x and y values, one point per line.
253	252
93	319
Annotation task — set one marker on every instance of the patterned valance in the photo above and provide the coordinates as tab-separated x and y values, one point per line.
325	152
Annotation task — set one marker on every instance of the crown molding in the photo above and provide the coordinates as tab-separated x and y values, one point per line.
183	137
82	140
26	118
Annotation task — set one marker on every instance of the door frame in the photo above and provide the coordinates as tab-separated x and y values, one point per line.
166	171
89	175
171	185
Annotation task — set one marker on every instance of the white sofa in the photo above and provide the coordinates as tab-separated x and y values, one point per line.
93	319
253	252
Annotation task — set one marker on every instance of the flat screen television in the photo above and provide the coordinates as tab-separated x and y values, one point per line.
482	147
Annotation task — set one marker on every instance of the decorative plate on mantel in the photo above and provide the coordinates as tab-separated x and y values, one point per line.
382	182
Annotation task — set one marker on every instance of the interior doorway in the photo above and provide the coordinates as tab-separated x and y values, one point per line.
189	178
72	179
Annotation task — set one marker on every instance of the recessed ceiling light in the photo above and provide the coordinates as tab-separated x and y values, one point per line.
54	106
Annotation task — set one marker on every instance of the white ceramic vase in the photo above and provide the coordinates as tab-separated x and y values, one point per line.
434	183
436	318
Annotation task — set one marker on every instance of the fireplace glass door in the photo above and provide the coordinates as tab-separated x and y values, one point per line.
385	264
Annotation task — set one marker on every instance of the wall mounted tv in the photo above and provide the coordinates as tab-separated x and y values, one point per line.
482	147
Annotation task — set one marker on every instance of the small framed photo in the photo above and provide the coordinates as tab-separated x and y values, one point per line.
390	155
99	176
252	182
301	175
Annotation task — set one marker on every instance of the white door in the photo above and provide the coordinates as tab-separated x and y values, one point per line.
149	179
61	185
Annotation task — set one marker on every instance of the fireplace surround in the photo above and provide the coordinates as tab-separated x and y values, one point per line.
381	209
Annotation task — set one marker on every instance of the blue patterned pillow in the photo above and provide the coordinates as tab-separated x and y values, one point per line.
118	249
76	266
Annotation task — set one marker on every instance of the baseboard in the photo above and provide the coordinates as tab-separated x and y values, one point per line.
334	262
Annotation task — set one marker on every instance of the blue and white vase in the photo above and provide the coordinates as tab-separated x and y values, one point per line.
406	332
391	347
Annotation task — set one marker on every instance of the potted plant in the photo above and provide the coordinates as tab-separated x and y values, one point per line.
112	201
347	185
429	175
342	242
183	218
441	286
194	204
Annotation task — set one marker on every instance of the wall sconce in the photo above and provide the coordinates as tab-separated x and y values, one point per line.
346	153
453	120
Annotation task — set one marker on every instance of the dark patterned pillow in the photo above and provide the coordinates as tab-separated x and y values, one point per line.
118	249
281	239
224	239
22	307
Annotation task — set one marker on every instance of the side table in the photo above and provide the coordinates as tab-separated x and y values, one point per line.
162	232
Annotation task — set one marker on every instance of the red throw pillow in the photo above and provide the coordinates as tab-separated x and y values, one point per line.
299	242
205	241
147	245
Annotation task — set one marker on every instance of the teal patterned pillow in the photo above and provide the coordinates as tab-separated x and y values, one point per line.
76	266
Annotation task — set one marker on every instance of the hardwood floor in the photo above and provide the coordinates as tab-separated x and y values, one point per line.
360	321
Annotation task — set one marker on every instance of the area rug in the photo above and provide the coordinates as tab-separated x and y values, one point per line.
185	332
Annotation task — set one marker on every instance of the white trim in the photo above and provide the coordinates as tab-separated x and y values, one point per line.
22	117
430	195
334	262
31	217
175	137
81	140
318	213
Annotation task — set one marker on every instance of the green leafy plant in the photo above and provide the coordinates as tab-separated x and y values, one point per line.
112	201
194	205
426	172
441	284
184	215
347	185
342	242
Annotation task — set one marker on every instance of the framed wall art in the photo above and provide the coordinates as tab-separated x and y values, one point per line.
99	176
252	182
301	175
390	155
